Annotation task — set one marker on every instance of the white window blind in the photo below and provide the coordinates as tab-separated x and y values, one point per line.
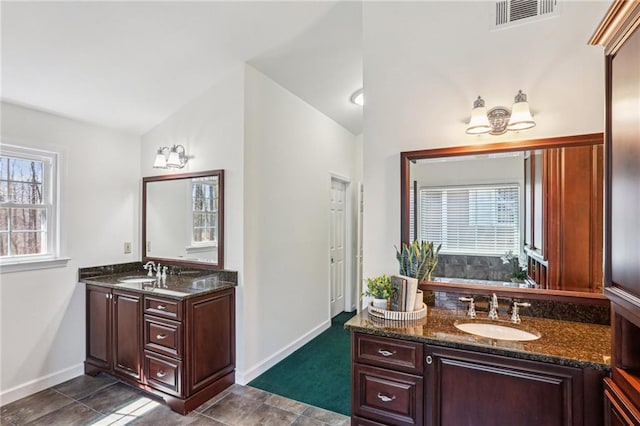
471	219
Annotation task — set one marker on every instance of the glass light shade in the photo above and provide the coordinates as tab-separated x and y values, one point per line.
160	161
479	122
358	97
521	118
174	158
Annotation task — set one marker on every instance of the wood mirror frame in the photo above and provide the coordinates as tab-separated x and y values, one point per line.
405	186
220	223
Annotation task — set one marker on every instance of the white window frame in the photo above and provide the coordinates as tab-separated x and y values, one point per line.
51	196
445	249
199	246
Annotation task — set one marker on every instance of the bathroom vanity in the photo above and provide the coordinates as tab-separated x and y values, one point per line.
431	373
172	337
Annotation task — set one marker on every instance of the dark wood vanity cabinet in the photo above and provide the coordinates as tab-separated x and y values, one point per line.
180	350
465	388
399	382
619	33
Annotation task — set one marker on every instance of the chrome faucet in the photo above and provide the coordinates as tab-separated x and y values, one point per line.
149	266
493	307
471	312
515	316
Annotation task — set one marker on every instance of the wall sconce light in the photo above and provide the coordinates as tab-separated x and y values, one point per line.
358	97
170	158
498	120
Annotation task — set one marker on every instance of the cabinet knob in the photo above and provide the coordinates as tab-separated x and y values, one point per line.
385	398
385	352
161	336
162	307
429	359
161	373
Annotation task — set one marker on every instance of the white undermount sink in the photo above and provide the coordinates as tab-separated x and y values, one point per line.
496	331
132	280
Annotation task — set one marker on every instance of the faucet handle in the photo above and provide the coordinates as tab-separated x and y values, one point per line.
515	315
493	307
471	312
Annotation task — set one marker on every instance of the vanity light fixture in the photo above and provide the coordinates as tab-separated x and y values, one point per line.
170	158
358	97
499	119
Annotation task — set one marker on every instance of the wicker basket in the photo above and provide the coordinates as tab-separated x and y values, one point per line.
397	315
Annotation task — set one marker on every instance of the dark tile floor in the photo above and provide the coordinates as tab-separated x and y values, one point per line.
103	401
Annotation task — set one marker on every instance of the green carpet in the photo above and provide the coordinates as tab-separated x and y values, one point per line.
319	373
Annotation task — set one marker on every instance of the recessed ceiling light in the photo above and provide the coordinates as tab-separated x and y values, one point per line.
358	97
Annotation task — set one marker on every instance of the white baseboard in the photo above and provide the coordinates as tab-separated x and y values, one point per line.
244	377
41	383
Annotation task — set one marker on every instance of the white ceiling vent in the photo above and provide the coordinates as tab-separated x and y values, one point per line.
506	13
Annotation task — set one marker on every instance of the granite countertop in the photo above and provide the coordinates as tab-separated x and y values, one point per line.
178	287
563	342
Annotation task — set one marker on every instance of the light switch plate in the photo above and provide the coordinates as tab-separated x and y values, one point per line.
127	248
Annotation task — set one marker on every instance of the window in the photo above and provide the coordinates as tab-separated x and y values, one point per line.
482	219
204	196
28	210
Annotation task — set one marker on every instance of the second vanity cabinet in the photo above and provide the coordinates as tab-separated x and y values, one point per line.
181	350
399	382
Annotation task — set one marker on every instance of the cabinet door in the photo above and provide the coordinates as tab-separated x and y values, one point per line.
467	388
210	335
99	326
127	336
619	410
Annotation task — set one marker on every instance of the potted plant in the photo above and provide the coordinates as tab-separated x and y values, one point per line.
380	289
518	271
418	259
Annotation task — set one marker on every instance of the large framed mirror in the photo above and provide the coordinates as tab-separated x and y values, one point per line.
183	219
516	218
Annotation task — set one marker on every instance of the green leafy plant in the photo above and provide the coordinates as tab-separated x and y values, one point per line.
379	287
418	259
519	271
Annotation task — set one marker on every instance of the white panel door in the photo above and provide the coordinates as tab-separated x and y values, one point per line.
337	245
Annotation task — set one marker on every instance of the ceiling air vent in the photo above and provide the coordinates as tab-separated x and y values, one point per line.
505	13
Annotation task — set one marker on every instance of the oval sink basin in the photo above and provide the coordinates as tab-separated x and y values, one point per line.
496	331
130	280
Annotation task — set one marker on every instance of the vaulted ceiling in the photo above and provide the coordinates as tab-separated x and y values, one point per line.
129	65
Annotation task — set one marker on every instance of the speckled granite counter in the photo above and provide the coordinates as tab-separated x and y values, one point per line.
562	342
178	287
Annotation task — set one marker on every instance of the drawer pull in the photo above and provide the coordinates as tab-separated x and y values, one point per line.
429	359
385	398
162	307
161	336
385	353
161	374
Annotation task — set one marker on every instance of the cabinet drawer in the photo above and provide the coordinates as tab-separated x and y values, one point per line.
388	397
619	410
389	353
163	336
163	373
165	308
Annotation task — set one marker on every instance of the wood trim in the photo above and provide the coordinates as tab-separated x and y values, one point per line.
622	18
204	265
530	293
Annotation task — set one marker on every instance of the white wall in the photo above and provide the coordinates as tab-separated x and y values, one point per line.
211	129
425	63
42	312
290	151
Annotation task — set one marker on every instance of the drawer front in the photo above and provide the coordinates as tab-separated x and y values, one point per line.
388	397
166	308
389	353
163	373
359	421
163	336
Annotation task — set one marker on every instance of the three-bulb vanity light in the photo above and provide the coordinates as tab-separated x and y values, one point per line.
498	120
171	158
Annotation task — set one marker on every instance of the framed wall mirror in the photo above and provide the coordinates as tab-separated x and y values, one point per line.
517	218
183	219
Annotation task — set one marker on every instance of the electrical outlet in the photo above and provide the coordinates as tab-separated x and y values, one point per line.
127	248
